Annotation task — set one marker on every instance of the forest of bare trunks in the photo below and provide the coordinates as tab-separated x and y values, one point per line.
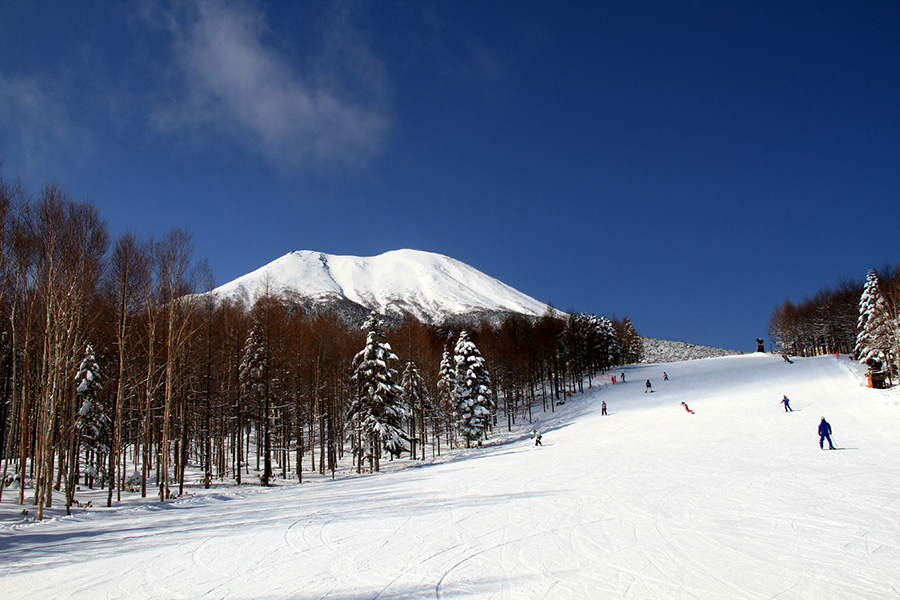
166	382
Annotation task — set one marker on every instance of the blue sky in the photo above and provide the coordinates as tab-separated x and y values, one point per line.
688	164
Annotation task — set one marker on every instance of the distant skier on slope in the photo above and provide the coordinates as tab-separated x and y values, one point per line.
684	404
649	387
603	407
665	376
825	434
536	436
787	404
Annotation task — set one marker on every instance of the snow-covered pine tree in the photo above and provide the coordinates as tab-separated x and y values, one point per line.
874	335
598	344
420	406
446	401
93	422
375	413
253	373
474	403
607	341
596	358
866	307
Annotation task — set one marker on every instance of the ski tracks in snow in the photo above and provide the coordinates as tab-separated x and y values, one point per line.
735	502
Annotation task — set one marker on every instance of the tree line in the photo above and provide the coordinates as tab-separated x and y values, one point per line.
118	368
859	318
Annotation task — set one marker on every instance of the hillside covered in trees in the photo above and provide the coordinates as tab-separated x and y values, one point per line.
856	318
118	368
655	350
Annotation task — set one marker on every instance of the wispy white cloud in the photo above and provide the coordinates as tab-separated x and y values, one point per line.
328	109
42	137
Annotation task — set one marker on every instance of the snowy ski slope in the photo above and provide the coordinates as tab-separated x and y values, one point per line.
650	502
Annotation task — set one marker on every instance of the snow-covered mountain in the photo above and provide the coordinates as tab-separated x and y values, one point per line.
428	286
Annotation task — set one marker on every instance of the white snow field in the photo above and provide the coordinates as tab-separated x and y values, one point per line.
650	502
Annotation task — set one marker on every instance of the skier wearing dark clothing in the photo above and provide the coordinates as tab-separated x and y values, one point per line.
787	404
825	434
649	387
603	407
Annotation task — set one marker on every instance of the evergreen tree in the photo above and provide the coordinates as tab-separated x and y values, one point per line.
447	377
874	337
93	422
254	379
376	413
419	405
607	342
447	389
474	404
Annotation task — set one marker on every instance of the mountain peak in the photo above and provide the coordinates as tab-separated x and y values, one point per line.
429	286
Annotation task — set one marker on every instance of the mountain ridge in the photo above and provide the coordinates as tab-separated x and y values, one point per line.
428	286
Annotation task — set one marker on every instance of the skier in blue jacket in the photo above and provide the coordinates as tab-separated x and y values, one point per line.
787	404
825	434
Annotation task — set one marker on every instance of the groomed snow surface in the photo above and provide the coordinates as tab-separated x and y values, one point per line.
733	501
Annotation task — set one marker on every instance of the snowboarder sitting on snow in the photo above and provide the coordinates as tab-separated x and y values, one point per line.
686	408
649	387
787	404
825	434
536	437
